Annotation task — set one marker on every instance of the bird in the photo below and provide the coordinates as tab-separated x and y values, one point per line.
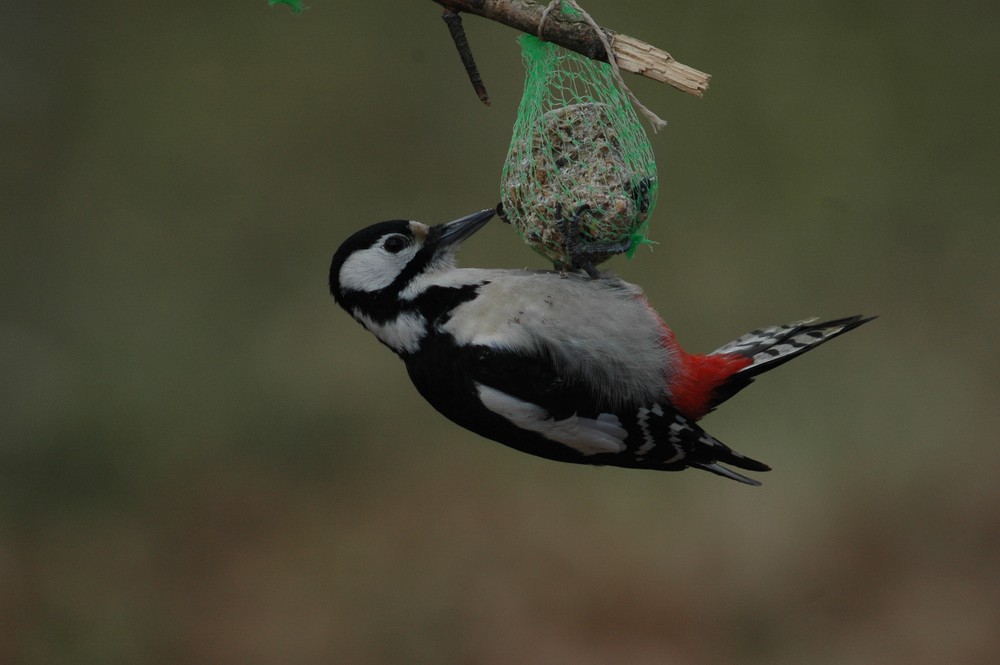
562	365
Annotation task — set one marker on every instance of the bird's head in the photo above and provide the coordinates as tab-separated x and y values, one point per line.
373	268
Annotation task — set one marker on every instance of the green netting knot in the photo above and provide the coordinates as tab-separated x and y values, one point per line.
577	145
568	9
296	5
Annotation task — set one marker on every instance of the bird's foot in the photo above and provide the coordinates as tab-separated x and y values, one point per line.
582	253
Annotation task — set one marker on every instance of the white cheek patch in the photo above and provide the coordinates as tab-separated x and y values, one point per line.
373	269
589	436
402	334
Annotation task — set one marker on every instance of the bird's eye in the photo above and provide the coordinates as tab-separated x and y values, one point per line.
394	244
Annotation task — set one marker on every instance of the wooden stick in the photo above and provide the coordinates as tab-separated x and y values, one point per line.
645	59
454	22
573	33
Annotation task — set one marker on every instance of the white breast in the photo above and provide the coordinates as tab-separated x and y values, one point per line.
601	331
402	334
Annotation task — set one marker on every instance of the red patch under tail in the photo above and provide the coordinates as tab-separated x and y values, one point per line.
693	386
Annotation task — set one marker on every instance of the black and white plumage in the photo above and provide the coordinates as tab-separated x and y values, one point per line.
558	365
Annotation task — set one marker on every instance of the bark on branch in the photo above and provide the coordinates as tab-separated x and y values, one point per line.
575	34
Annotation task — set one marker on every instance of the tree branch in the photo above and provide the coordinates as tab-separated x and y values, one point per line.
574	34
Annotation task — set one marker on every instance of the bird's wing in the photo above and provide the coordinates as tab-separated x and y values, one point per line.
529	393
523	402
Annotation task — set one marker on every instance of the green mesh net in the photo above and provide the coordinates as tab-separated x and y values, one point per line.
578	150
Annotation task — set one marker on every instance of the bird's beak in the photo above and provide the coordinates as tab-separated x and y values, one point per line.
452	233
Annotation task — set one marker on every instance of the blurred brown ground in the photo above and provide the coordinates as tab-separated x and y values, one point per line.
203	461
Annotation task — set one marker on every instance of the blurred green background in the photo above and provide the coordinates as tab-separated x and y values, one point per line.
202	460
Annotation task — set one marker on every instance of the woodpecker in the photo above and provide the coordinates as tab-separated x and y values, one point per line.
561	365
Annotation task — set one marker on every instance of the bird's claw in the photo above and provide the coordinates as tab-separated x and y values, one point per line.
583	253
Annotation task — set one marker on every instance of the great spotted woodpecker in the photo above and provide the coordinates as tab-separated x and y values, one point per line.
559	365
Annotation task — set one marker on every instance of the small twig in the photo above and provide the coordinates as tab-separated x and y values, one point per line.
575	34
454	22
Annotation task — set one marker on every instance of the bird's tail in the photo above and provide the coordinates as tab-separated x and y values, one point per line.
767	348
712	454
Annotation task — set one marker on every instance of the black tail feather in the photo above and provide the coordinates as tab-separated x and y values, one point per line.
772	347
720	470
715	453
767	348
